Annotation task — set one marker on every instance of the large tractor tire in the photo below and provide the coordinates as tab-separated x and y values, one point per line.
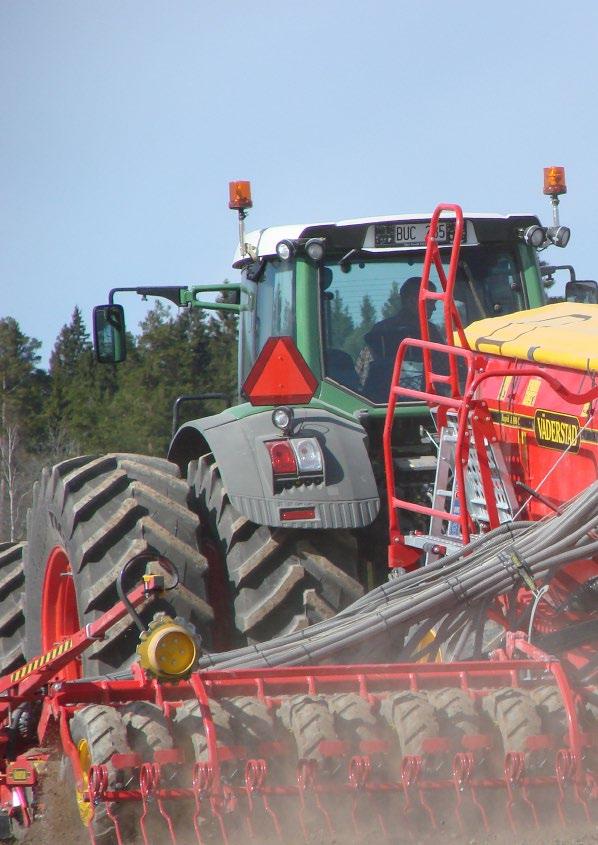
89	516
12	618
455	712
551	707
251	721
281	579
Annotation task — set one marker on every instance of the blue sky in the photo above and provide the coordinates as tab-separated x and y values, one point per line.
122	122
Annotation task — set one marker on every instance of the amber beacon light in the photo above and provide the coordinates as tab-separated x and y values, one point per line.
239	195
554	181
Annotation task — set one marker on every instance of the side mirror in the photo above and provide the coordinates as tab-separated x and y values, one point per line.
109	337
585	291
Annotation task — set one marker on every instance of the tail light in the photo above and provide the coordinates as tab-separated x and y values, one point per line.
282	457
309	455
296	458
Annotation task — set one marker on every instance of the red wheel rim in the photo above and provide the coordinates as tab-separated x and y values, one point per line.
60	616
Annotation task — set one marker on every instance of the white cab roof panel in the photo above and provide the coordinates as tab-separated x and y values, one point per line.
265	240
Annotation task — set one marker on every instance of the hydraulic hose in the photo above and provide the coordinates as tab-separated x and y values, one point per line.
450	596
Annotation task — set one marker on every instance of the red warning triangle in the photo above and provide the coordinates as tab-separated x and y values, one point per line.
280	375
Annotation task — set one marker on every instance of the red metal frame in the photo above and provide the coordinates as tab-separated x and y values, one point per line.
22	684
452	320
473	424
399	555
457	770
259	793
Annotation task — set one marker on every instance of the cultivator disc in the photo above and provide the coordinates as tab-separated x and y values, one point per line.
296	754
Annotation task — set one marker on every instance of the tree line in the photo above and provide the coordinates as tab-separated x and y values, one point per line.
79	407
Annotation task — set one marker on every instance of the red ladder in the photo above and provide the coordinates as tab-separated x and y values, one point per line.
462	364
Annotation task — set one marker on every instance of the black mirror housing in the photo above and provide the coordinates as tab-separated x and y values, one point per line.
109	334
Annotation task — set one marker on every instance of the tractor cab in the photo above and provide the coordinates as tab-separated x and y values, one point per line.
347	292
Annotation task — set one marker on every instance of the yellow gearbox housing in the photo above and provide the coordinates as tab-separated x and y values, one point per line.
169	649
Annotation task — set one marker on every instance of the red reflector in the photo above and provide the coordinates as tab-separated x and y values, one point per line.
280	375
282	457
289	514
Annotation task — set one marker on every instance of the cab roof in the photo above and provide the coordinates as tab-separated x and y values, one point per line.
352	234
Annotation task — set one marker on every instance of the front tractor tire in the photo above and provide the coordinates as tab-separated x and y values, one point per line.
88	517
280	580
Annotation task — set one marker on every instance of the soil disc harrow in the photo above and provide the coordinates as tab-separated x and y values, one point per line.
294	753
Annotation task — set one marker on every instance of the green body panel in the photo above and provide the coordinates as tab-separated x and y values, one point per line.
334	399
307	315
533	283
330	396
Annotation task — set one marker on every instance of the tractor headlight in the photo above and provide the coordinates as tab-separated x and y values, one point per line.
285	250
315	249
559	235
534	236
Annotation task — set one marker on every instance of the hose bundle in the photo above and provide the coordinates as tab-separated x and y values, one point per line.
449	597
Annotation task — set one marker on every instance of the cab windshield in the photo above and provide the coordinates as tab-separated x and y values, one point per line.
370	306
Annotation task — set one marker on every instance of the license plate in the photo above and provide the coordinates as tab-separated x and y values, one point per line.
414	234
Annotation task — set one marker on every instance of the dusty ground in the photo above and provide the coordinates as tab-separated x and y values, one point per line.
62	825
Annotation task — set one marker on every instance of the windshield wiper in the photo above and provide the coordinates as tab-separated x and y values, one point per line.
347	260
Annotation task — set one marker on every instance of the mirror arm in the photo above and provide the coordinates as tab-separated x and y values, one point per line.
189	297
171	292
550	270
183	296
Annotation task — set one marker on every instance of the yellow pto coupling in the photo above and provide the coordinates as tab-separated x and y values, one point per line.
169	649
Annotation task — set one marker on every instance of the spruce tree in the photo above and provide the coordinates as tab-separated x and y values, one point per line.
22	392
70	409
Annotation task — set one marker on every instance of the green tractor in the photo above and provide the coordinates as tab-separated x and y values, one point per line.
273	509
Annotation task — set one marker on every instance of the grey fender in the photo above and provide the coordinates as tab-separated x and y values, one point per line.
347	498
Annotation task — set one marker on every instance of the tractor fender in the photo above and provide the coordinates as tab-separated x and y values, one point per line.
347	498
